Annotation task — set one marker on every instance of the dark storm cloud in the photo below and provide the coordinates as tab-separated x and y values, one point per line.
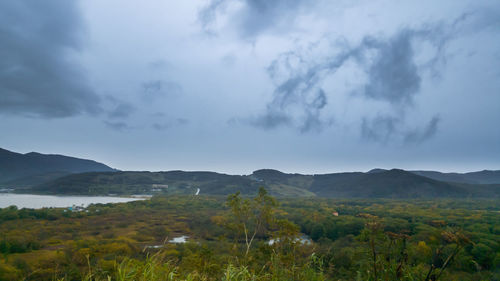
37	77
393	76
255	16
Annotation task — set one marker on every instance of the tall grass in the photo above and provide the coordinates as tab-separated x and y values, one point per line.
156	268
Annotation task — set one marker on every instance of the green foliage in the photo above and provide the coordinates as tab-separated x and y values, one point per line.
229	239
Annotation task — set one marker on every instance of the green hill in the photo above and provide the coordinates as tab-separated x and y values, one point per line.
381	184
146	182
392	184
24	170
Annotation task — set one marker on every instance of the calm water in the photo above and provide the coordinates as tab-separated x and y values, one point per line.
41	201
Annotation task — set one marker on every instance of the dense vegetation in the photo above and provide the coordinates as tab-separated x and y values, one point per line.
144	182
229	239
376	184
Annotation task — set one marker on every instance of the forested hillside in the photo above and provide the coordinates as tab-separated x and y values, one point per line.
382	184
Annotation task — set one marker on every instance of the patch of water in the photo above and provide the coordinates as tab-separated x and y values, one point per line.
180	239
304	240
48	201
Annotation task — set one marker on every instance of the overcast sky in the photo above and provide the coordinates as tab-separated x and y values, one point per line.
238	85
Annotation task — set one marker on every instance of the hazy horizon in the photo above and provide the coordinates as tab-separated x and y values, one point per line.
310	172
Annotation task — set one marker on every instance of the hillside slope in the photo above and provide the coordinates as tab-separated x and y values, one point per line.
393	184
479	177
146	182
32	168
383	184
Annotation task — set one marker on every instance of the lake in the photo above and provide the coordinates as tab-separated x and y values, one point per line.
46	201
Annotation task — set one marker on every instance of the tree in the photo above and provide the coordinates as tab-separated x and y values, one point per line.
251	217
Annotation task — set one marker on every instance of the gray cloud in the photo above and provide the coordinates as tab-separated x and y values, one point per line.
159	88
312	120
384	128
255	16
485	18
117	126
117	108
271	120
122	110
357	84
209	13
418	136
161	126
393	76
37	77
306	117
159	64
380	128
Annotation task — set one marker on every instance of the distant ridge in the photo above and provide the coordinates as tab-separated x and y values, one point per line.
479	177
393	183
58	174
24	170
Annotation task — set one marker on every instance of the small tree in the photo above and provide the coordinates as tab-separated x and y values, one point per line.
251	217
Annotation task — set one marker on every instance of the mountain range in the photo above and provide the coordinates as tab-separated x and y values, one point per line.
393	183
57	174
